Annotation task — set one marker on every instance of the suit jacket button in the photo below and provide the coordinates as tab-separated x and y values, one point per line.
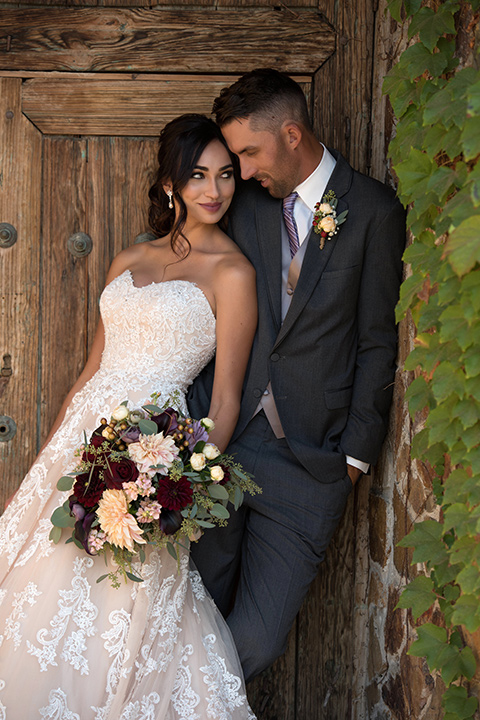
257	393
289	291
274	357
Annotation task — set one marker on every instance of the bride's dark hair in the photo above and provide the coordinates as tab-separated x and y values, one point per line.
182	141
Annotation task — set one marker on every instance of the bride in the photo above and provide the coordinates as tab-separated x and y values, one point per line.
72	649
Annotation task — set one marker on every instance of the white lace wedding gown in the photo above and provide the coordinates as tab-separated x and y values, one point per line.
72	649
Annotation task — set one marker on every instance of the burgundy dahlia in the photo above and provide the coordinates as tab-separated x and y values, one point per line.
174	494
89	487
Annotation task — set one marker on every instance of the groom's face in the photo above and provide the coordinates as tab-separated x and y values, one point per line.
263	155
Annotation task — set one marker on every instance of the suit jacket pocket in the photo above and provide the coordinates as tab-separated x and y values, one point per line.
335	399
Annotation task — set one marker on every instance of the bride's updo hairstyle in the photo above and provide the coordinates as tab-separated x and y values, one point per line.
182	141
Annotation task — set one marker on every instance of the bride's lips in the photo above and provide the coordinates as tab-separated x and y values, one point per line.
212	207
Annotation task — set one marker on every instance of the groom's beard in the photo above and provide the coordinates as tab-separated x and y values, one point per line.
283	178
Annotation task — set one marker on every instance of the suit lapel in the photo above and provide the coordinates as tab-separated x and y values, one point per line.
316	260
268	217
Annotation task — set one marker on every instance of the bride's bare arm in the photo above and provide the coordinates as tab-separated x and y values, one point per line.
236	305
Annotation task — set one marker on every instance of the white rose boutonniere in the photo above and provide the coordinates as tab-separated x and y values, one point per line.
325	218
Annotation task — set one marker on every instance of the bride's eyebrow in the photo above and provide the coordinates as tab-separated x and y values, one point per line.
222	169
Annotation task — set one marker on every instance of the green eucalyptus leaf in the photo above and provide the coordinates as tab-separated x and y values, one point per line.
55	534
62	519
219	511
148	427
133	577
65	483
218	492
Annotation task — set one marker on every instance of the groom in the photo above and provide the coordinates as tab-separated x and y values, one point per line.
319	383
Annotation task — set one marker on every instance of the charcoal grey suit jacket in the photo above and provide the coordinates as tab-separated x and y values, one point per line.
331	363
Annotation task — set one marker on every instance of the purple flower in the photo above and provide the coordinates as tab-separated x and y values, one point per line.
199	434
130	435
82	529
77	511
170	521
166	421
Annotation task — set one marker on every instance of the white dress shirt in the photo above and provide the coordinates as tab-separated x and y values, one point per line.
311	191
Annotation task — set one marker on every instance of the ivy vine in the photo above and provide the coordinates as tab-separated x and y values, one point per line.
436	154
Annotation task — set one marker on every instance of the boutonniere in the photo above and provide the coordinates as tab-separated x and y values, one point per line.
325	218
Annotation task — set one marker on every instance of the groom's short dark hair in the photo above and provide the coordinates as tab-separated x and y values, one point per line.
269	96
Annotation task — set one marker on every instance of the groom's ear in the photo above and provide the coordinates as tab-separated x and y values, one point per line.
292	134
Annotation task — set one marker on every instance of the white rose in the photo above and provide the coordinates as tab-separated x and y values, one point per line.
198	461
326	208
207	423
216	473
120	413
135	416
211	451
328	224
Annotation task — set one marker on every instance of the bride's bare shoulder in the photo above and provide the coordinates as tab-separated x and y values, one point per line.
130	258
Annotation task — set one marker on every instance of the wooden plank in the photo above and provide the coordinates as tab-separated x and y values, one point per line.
119	177
115	107
154	3
20	188
324	663
64	277
136	40
343	86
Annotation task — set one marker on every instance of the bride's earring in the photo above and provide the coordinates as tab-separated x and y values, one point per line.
170	202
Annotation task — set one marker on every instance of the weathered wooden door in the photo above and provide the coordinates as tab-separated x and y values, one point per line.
84	92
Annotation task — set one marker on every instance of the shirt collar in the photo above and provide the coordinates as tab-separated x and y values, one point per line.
313	188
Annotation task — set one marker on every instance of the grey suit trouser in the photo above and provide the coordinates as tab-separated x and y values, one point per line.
272	546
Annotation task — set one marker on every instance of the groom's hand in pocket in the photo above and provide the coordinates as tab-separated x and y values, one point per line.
353	473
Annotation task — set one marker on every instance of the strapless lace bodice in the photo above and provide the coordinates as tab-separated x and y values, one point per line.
157	339
162	333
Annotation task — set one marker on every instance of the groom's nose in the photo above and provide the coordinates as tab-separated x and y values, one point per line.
247	169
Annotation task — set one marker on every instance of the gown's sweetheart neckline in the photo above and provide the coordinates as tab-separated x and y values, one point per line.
167	282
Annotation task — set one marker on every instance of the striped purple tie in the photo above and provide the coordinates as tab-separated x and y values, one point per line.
288	204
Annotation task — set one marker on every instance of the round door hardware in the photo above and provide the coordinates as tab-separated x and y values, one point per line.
8	235
79	244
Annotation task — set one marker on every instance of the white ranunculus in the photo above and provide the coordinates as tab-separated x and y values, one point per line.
211	451
216	473
198	461
207	423
120	413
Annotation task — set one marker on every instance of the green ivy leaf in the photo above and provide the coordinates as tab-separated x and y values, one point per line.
430	25
418	595
461	665
463	244
457	702
470	137
418	395
469	579
447	381
426	538
467	612
432	644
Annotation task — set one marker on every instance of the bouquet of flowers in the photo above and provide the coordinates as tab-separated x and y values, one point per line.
148	475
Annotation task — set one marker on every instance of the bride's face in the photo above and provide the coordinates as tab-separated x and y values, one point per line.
210	189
